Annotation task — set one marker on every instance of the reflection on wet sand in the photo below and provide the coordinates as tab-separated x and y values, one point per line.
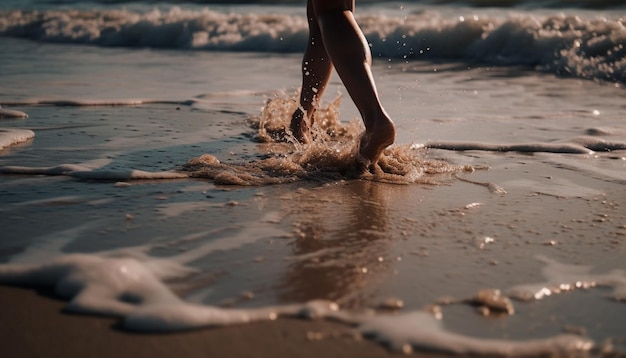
342	246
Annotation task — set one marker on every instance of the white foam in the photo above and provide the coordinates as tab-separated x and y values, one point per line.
127	174
576	46
530	4
593	4
130	284
577	145
87	173
11	113
63	169
562	278
571	148
12	136
132	288
90	102
423	331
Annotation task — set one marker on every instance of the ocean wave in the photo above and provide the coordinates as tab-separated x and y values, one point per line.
176	28
589	4
591	48
564	45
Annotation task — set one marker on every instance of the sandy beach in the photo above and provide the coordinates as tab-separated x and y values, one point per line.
356	242
35	326
152	203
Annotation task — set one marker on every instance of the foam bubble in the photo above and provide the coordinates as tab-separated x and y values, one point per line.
12	136
11	113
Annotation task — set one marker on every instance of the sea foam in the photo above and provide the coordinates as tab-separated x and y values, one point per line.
130	284
530	4
12	136
11	113
578	145
591	48
86	173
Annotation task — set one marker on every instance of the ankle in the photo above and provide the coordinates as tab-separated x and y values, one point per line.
382	128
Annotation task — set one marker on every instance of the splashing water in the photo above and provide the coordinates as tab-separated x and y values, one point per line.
330	156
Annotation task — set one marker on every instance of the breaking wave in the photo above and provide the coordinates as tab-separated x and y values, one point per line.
590	48
588	4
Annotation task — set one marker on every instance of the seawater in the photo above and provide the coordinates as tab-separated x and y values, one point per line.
585	44
122	123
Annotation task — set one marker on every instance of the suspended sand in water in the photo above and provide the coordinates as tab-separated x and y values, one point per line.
331	155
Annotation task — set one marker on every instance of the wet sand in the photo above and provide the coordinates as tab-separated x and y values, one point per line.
447	255
356	242
33	325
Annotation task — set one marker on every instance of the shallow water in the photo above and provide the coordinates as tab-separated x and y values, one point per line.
110	123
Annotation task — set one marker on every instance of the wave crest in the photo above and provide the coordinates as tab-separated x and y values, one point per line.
563	45
175	28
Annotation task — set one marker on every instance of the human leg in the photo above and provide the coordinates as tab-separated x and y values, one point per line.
350	54
316	71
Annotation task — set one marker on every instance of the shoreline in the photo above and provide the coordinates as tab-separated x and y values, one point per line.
358	243
34	325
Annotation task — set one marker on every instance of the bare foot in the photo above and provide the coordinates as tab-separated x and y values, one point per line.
375	139
299	128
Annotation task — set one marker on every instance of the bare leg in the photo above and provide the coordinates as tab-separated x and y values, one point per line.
316	71
350	54
336	39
